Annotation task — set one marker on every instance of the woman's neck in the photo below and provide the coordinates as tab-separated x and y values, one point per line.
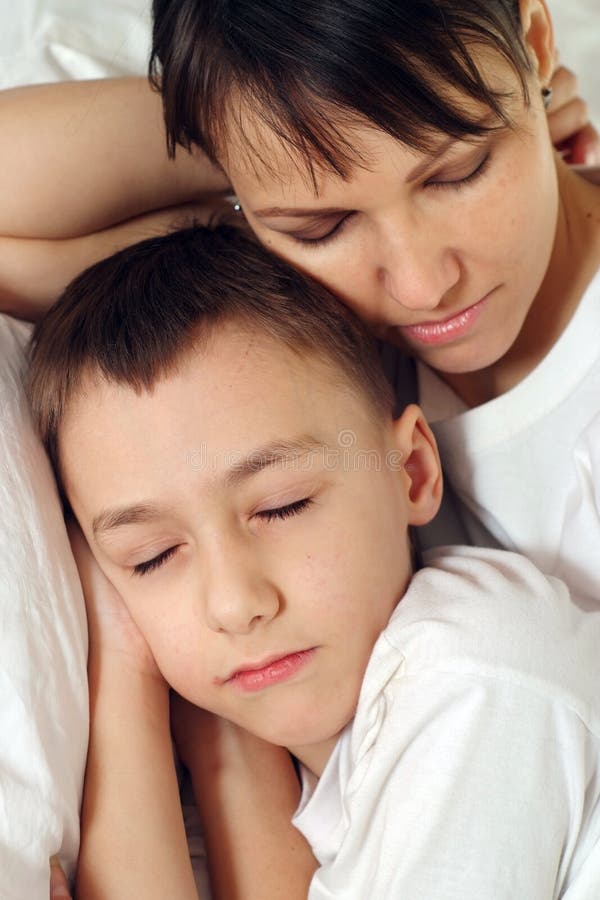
574	262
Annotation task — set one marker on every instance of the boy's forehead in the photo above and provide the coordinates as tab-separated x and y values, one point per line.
236	392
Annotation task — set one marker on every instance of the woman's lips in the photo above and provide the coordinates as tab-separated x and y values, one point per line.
272	672
447	330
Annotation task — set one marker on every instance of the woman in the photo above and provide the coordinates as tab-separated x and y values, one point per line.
419	183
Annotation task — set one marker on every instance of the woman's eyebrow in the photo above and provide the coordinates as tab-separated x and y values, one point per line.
296	212
430	159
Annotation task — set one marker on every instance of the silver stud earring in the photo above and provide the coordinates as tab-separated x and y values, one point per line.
547	96
237	207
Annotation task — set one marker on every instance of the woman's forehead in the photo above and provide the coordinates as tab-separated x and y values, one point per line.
256	147
263	162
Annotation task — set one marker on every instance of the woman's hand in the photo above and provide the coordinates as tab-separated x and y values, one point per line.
568	117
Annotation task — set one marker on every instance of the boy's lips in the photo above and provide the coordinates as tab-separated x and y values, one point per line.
446	330
256	676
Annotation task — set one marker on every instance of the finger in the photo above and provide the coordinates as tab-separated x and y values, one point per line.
59	887
565	88
566	122
584	148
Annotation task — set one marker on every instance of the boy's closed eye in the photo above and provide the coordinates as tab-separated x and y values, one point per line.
268	515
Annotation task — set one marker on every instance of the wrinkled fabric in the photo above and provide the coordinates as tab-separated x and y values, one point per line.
471	770
43	649
526	465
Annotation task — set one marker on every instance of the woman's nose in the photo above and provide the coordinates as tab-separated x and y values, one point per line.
418	275
239	596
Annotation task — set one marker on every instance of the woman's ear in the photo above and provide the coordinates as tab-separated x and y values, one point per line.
539	37
422	469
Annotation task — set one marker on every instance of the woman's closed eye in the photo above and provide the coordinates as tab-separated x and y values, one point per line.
459	180
450	180
310	236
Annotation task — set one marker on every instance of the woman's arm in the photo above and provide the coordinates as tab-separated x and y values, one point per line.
84	172
133	839
80	156
34	272
247	792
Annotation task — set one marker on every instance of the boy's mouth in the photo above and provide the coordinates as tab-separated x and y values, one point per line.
256	676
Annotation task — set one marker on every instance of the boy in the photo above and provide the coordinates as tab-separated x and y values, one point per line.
222	431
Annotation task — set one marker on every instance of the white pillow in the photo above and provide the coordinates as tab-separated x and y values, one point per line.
43	649
61	39
43	637
577	33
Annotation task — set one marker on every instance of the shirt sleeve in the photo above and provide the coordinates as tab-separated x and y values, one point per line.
467	797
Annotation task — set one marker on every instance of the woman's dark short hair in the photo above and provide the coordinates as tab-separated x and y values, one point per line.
307	68
131	318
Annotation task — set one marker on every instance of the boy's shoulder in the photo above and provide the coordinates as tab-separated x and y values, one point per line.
494	614
477	728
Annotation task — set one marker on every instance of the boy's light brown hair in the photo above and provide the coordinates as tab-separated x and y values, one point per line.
131	318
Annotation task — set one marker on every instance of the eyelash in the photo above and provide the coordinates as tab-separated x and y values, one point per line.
468	179
282	512
438	185
320	241
144	568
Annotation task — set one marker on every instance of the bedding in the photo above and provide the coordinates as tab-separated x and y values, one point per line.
43	694
43	691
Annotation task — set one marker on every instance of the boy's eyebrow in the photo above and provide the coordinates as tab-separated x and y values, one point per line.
110	519
272	454
269	454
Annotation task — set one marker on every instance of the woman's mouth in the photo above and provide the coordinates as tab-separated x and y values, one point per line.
255	678
448	329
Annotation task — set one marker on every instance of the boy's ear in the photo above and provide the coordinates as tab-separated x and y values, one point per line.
422	469
537	28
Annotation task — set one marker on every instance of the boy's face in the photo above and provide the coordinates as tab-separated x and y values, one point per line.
253	516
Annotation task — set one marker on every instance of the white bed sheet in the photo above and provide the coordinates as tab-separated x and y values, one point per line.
47	40
577	32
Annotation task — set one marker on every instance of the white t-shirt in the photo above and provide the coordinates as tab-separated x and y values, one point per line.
526	465
471	770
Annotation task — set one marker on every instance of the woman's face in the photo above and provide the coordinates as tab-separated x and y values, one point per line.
442	253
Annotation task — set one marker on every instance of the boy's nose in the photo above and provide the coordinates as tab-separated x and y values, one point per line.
240	598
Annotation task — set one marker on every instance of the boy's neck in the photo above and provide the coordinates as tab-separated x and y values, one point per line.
574	262
315	756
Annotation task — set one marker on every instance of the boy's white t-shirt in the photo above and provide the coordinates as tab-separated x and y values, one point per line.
471	770
526	465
